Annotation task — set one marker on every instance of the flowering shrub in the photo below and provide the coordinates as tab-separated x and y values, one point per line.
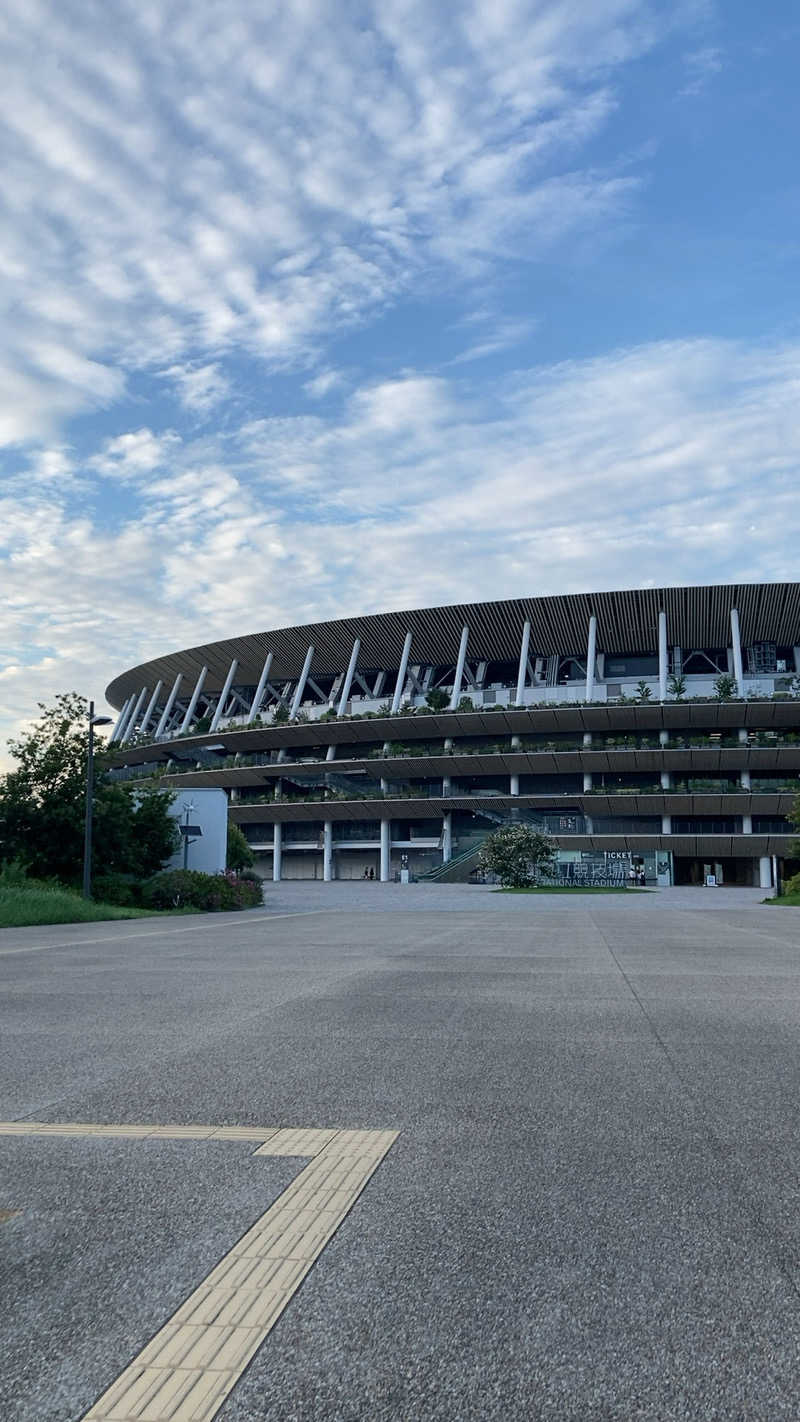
212	893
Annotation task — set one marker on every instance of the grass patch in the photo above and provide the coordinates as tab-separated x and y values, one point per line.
30	903
571	889
789	900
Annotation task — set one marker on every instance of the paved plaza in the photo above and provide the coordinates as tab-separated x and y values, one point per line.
456	1155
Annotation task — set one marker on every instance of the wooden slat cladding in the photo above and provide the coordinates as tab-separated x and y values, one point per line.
627	621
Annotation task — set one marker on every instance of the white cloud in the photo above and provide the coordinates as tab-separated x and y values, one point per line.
200	387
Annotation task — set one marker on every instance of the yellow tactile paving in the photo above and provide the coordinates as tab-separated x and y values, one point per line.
188	1369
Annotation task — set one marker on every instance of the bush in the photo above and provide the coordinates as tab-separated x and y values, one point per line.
211	893
518	855
116	889
791	886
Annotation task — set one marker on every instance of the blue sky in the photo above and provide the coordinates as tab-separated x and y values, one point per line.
319	309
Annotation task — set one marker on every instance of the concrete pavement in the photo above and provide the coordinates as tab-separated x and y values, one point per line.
590	1211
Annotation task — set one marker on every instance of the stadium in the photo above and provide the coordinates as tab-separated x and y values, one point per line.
652	731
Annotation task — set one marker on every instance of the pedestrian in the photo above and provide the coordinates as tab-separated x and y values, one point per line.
372	874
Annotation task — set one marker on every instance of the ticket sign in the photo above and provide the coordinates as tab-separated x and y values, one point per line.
711	881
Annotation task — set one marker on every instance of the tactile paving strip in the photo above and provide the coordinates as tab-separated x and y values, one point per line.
191	1365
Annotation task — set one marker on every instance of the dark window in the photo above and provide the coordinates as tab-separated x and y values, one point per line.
705	824
770	824
631	664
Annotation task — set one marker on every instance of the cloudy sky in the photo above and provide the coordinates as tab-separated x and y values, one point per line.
318	307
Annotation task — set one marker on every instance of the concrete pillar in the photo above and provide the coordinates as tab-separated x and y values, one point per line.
515	743
663	661
276	794
765	872
445	785
223	696
126	706
666	824
587	739
131	726
591	654
198	687
743	735
588	822
738	669
747	824
744	779
330	753
327	851
587	780
151	706
297	699
523	663
462	656
663	738
259	696
514	785
161	727
348	677
401	674
384	785
277	854
666	780
447	838
386	850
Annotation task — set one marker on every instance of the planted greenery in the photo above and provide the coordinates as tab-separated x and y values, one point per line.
518	855
210	893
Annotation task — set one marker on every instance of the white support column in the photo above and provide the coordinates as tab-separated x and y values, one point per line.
447	838
198	687
587	781
386	850
744	780
301	685
170	703
277	854
445	785
151	706
262	682
765	872
747	824
125	727
131	726
401	674
330	753
666	780
663	658
591	655
587	740
120	719
348	679
459	676
223	696
523	662
514	787
327	851
666	824
663	738
738	669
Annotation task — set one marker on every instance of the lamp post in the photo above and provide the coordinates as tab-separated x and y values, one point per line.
87	833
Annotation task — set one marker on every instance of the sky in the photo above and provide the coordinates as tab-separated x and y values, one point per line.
325	307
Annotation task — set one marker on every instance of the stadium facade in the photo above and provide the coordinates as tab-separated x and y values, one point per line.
656	728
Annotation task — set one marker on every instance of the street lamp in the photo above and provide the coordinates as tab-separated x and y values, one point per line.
87	833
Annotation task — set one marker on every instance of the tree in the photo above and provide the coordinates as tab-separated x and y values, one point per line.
676	686
725	686
43	801
437	699
517	854
643	692
239	855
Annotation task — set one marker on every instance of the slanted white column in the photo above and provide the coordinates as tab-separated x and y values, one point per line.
386	850
514	785
744	780
120	719
459	676
330	754
666	780
129	729
591	656
663	658
587	780
277	854
747	824
738	669
401	674
327	851
198	687
262	682
348	679
447	837
223	696
523	662
297	699
151	706
765	872
170	703
666	824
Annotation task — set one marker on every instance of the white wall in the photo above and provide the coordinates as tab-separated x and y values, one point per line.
211	814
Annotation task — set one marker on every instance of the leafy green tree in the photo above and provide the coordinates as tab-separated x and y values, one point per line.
676	686
643	692
239	854
725	686
518	854
43	801
437	699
